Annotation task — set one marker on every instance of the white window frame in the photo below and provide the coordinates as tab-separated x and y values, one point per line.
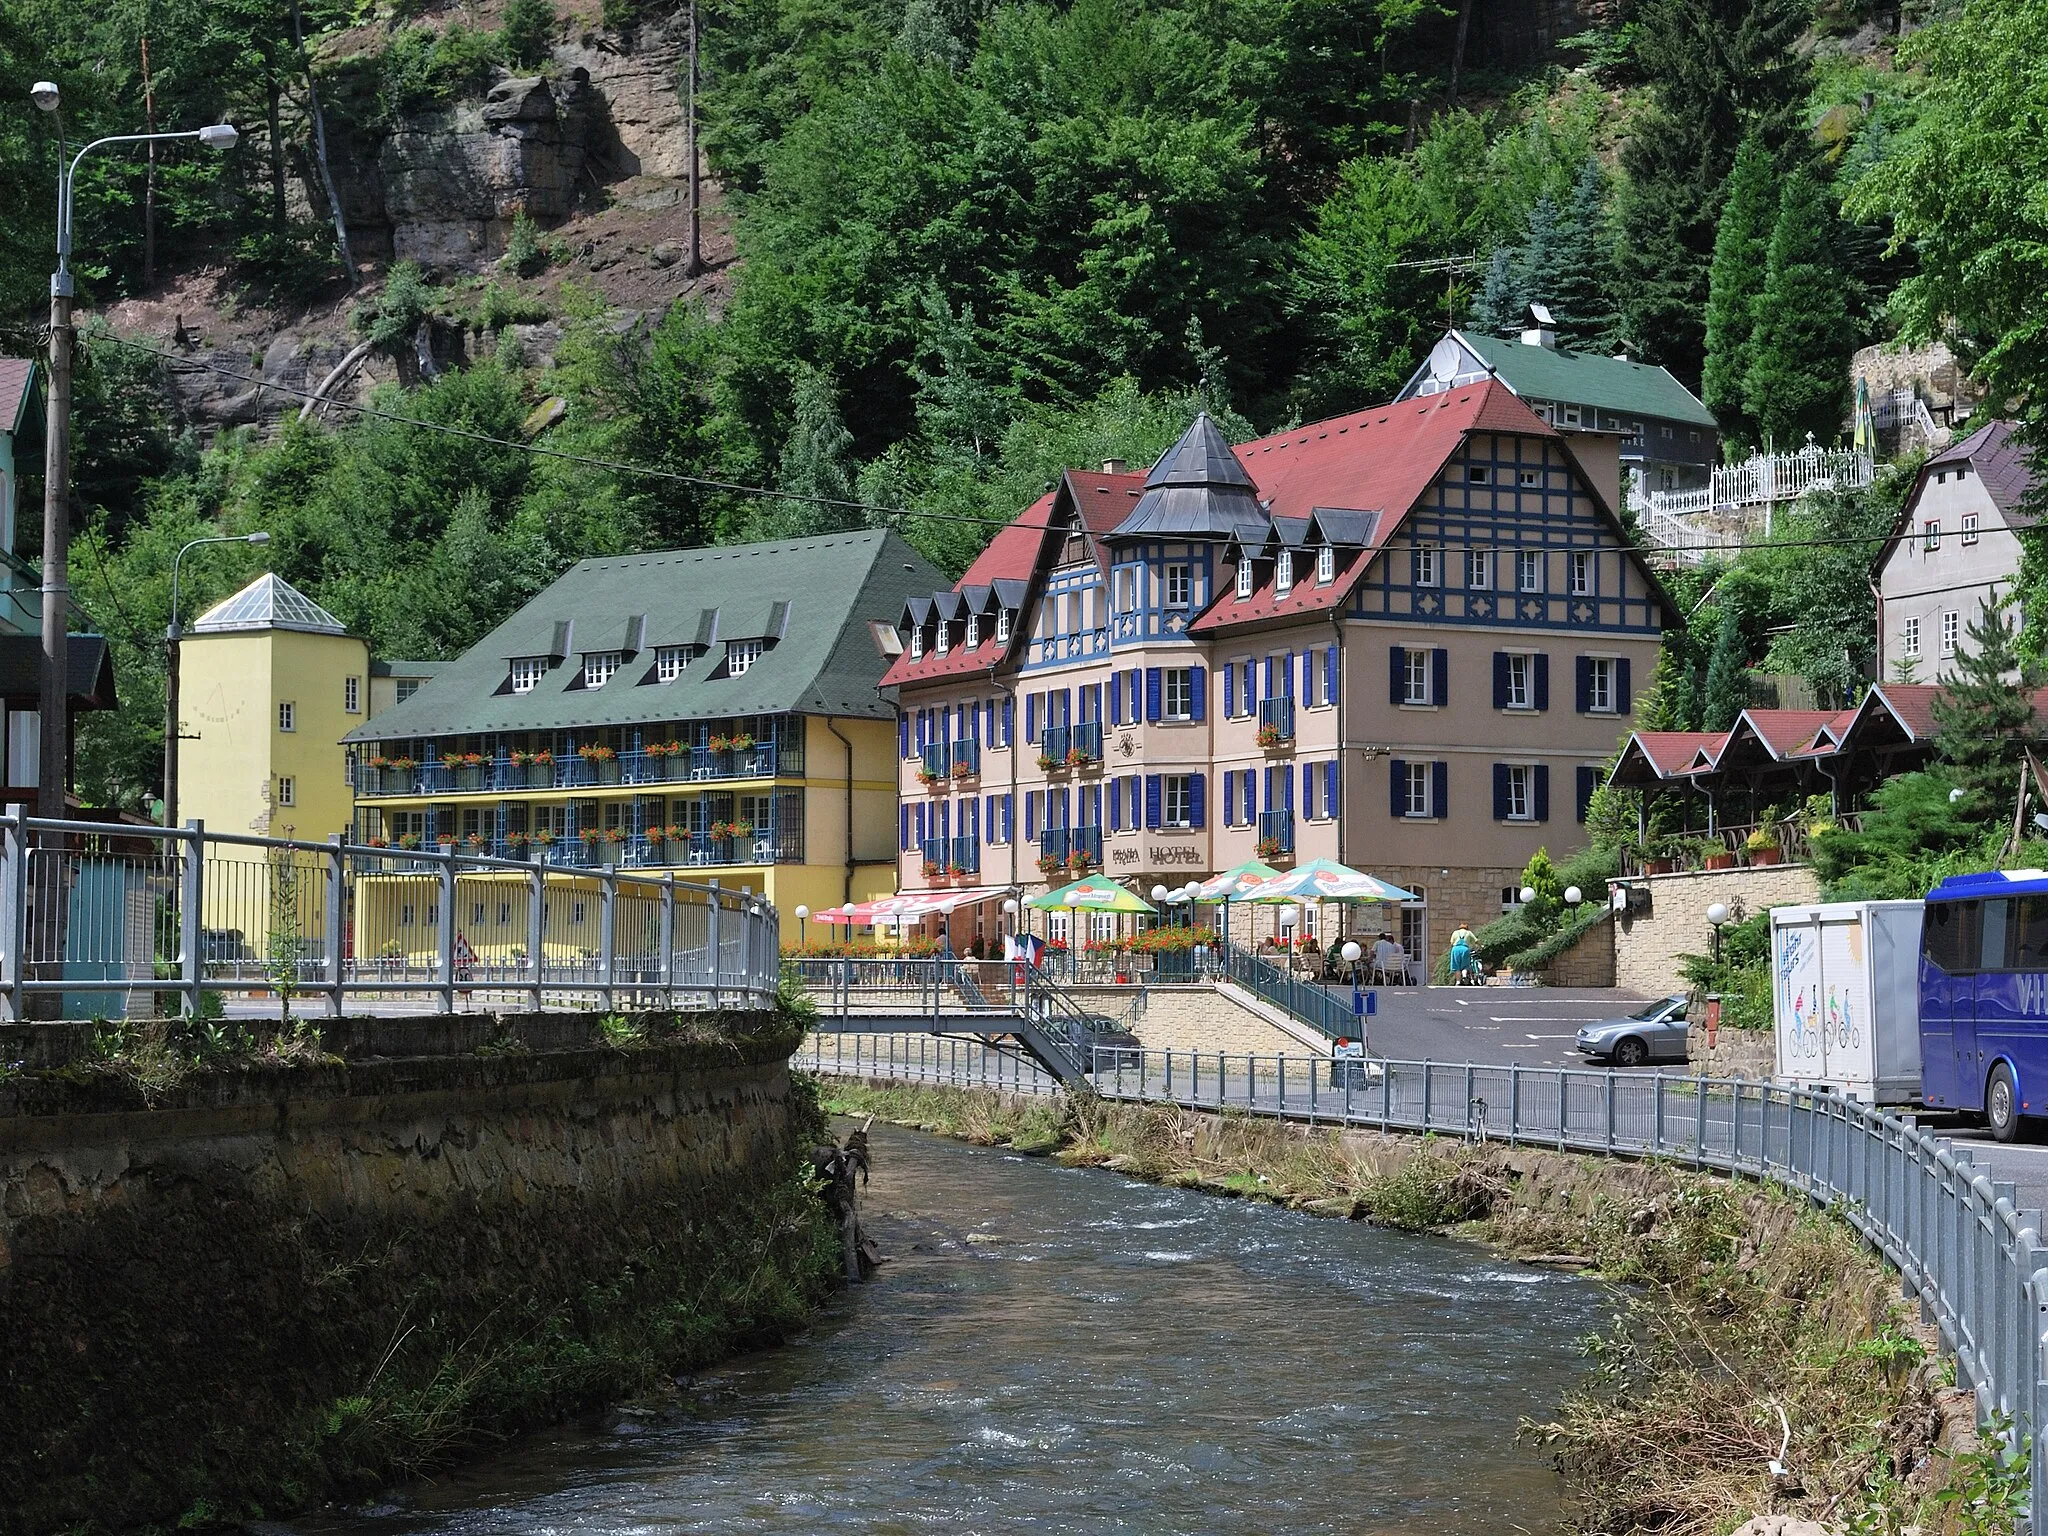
1521	792
1530	478
1423	567
406	688
287	715
1951	632
1969	527
1600	685
1930	535
1180	584
527	671
1479	474
1326	565
1002	626
1478	578
1582	573
1177	681
1521	674
1177	787
287	789
1909	640
351	695
917	642
1244	577
1283	573
940	633
1528	570
1416	679
973	631
671	662
1570	415
600	667
1416	793
740	656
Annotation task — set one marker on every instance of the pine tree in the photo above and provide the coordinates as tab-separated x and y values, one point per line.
1984	717
815	463
1583	283
1798	375
1727	693
528	32
1544	255
1497	308
1749	212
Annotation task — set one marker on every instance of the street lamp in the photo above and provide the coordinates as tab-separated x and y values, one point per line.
1717	914
802	913
1527	893
1573	895
173	635
1349	954
57	457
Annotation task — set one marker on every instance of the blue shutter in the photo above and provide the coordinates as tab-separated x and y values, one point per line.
1308	677
1330	674
1151	694
1151	801
1542	680
1440	662
1230	798
1583	672
1582	791
946	725
1542	792
923	821
1440	790
1287	674
1116	698
945	818
1500	679
1267	691
1116	805
1200	693
1228	676
903	736
1066	706
1031	802
1500	791
1621	693
1330	795
1031	717
903	826
1009	817
1308	791
1397	781
1009	721
1397	691
1198	794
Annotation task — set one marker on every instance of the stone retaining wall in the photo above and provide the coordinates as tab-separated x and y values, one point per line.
1650	939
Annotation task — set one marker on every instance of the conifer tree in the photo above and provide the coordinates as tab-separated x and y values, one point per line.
1749	213
1497	308
1797	380
528	32
1544	255
1727	693
815	462
1583	282
1984	717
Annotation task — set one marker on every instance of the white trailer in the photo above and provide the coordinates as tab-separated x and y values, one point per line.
1845	979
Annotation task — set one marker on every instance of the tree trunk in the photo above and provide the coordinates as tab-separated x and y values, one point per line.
348	261
273	87
1458	48
148	176
695	264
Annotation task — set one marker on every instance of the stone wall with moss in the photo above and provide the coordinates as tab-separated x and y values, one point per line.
235	1289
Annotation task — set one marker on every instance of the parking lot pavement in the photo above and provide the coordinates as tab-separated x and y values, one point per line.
1529	1026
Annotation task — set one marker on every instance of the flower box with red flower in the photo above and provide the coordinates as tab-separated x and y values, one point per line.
476	842
1076	758
379	842
1047	763
409	841
444	841
720	744
518	844
933	871
1272	738
966	769
1051	864
742	741
539	768
927	778
670	758
543	839
1268	849
603	760
956	871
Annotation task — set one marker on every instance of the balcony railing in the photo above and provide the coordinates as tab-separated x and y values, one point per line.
1276	830
1276	718
1053	744
765	844
1055	843
965	758
1086	841
1087	740
932	759
966	854
500	775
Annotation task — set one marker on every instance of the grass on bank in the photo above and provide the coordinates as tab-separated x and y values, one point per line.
1735	1300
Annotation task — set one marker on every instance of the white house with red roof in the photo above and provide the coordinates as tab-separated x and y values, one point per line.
1405	638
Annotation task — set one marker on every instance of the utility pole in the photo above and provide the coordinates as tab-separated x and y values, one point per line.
696	261
149	177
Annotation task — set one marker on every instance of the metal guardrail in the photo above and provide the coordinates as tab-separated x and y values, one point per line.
119	920
940	1059
1306	1000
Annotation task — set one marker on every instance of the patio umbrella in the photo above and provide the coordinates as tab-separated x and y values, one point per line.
1091	893
1236	884
1326	880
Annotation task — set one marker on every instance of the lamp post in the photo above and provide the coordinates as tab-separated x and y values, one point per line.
1573	895
56	588
1717	914
173	636
802	915
1350	953
1527	894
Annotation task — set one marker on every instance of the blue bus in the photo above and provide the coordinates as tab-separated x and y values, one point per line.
1984	997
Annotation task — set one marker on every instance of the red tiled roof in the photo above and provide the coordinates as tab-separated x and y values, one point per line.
1911	704
1783	730
1674	752
1014	551
1828	738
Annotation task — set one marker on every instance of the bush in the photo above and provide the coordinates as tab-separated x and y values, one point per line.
496	309
527	36
394	314
1742	975
424	69
528	251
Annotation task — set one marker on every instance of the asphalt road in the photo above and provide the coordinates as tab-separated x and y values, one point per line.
1528	1026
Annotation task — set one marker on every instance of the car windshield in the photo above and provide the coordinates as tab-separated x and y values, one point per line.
1657	1009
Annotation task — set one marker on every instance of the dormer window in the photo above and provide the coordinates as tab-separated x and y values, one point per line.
527	671
599	667
1326	564
670	662
1283	574
973	631
1002	626
945	637
917	642
740	655
1244	577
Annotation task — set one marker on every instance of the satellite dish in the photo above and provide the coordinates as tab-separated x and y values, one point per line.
1443	361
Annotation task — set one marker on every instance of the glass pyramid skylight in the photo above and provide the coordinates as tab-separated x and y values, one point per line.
268	602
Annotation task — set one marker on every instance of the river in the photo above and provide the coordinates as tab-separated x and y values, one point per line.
1064	1350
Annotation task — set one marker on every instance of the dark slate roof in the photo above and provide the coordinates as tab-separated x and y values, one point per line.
1996	453
1586	378
1341	526
21	401
89	670
405	668
1198	489
812	598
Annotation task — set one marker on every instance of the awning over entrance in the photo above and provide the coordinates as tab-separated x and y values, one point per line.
910	904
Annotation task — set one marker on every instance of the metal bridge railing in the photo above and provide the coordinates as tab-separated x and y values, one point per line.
120	920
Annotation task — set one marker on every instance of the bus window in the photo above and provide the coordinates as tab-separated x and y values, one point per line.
1997	930
1948	937
2030	935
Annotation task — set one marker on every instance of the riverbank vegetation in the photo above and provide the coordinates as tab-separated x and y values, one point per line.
1734	1301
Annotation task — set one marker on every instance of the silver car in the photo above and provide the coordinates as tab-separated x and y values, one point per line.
1653	1033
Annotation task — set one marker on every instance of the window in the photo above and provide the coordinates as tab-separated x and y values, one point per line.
942	632
1518	691
287	791
1910	640
1002	626
1635	434
1422	565
1477	474
1951	629
1571	415
1582	574
1415	680
1283	574
1969	527
1520	794
1244	577
917	642
599	668
351	695
287	715
408	686
527	671
1326	564
1416	797
670	661
1600	685
1177	800
1932	530
1528	571
405	914
578	911
1178	702
1475	570
1180	586
740	655
1531	477
973	632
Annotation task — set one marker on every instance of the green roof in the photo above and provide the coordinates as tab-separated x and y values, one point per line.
810	601
1586	378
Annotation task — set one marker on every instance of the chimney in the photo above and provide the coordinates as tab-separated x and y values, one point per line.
1112	466
1538	329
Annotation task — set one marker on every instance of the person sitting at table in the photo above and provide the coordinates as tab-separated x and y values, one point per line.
1389	959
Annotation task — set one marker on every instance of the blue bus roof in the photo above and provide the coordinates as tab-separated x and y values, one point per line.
1992	882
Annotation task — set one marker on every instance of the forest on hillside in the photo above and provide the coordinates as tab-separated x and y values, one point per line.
979	241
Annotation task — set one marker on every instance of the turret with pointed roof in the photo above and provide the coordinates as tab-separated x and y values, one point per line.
1197	490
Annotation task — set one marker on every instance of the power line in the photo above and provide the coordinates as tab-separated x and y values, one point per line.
620	466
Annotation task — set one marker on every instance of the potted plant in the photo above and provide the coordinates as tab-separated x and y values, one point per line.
1077	864
539	768
544	840
603	760
956	871
445	841
927	778
1050	864
1047	762
669	758
1076	758
398	775
965	769
614	841
742	741
720	743
1271	739
1763	849
379	842
1663	856
590	838
476	842
519	844
1268	849
1715	854
933	871
409	841
741	829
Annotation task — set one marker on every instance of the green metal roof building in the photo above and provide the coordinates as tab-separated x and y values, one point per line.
710	710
